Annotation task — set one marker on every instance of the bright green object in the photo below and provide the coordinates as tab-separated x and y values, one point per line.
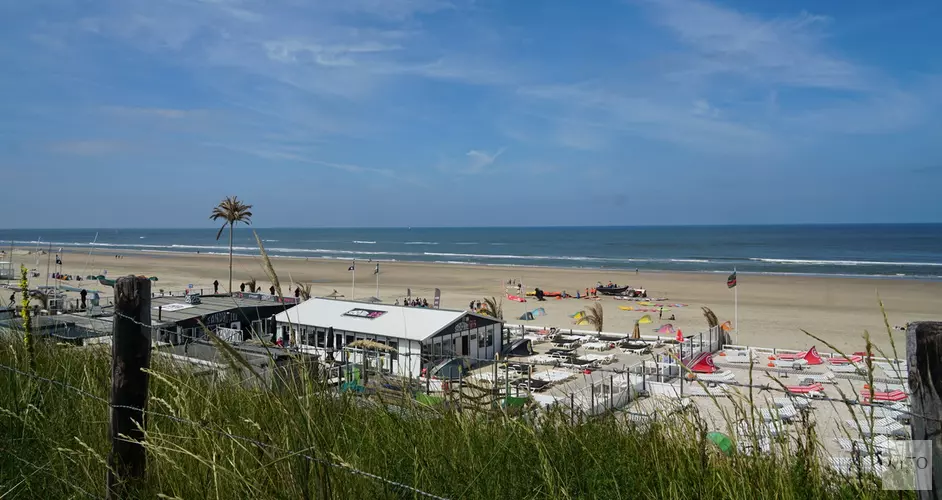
722	441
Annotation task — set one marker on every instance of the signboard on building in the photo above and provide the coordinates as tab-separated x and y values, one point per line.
364	313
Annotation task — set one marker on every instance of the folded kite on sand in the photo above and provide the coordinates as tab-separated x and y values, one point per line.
515	298
626	308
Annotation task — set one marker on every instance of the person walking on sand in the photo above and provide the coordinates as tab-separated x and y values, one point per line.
215	287
271	290
660	313
13	299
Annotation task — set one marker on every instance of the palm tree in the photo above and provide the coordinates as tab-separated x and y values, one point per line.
710	317
231	211
594	316
493	308
305	290
251	284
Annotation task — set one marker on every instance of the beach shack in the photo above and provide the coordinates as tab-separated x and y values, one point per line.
235	318
415	336
77	329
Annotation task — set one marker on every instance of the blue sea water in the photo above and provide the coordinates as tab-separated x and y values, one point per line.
898	250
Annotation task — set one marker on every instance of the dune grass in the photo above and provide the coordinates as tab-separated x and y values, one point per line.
53	444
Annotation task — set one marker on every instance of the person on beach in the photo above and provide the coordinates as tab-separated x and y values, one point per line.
215	287
242	287
297	292
13	299
660	313
271	290
82	296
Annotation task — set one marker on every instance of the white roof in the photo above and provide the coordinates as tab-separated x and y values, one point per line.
411	323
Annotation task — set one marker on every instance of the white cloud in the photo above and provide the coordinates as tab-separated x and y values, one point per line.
789	51
479	160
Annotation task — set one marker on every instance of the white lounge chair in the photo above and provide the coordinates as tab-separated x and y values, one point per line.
884	427
880	413
811	378
785	413
720	376
798	402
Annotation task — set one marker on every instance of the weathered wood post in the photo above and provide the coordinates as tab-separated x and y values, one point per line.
924	357
130	357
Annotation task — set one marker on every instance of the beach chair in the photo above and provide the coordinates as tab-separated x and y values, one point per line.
896	395
845	361
849	467
848	369
805	389
882	427
824	378
719	377
786	413
798	402
880	443
880	412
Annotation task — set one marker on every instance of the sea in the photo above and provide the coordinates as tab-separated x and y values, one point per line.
880	250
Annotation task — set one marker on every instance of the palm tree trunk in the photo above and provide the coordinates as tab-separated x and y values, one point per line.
230	257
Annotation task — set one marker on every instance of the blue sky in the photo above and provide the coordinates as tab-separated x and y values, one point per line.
464	112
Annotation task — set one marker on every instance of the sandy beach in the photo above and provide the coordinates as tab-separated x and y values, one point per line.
772	309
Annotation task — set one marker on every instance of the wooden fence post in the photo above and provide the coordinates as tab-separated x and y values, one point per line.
131	345
924	357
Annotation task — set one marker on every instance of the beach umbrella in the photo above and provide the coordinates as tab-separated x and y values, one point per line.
722	441
636	333
333	295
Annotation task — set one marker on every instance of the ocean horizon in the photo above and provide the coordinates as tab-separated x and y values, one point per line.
911	251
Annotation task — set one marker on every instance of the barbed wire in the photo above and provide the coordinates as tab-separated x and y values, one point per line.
345	467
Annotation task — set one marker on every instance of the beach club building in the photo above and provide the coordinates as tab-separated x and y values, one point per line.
415	335
234	318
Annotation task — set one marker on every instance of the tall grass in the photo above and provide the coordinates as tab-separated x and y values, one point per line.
55	446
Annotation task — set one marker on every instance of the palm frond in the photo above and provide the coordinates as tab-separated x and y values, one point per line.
251	284
232	210
595	317
493	308
710	317
305	291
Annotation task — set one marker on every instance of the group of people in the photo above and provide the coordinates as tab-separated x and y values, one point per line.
413	302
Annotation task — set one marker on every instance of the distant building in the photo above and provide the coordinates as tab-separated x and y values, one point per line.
419	336
243	314
78	329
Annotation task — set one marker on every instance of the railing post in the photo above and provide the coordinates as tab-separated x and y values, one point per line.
924	357
131	345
